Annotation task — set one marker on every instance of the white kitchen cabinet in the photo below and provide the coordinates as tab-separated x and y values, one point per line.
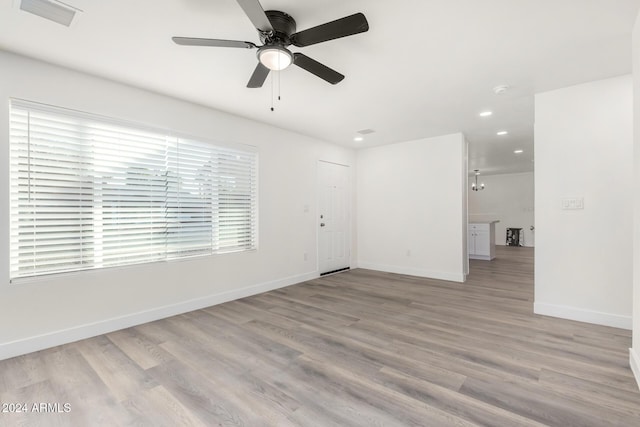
481	240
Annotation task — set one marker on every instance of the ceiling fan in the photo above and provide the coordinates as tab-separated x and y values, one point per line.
277	31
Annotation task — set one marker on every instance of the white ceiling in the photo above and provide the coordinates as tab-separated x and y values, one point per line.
425	68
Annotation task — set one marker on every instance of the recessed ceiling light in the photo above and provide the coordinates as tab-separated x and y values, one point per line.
486	113
358	139
518	151
502	132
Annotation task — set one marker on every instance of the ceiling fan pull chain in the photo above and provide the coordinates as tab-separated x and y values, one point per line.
272	109
279	71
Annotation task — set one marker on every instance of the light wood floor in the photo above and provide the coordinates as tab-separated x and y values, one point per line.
360	348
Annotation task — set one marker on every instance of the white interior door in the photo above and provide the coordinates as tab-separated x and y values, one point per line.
333	217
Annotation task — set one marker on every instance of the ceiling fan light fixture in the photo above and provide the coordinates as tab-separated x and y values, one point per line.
275	57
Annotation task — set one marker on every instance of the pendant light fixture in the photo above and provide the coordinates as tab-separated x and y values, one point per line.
474	185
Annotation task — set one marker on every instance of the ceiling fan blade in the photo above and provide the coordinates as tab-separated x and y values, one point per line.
343	27
193	41
314	67
258	77
258	18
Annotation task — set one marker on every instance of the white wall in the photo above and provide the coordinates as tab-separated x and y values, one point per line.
583	143
56	309
411	212
508	198
635	350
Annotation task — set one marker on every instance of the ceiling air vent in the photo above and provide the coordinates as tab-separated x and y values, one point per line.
53	10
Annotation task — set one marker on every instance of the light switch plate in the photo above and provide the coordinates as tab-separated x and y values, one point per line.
572	203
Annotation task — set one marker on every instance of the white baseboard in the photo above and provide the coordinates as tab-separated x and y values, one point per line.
634	362
482	257
582	315
40	342
452	277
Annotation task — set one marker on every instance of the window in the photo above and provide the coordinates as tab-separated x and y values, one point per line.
88	192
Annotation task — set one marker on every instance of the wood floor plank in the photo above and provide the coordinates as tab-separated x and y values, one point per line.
546	407
211	405
140	349
461	405
75	382
399	405
359	348
122	376
332	402
158	407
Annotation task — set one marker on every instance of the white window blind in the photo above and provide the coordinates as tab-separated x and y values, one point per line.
88	192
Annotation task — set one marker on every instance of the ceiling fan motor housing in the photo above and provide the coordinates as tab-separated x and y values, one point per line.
283	26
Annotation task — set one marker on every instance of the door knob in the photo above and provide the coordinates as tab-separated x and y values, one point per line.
322	224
